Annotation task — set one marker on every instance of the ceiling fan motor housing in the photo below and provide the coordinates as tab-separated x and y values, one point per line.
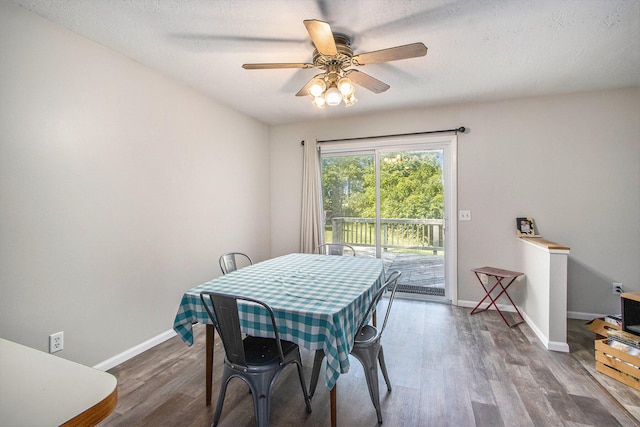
342	59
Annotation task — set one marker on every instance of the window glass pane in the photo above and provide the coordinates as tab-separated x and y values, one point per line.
349	200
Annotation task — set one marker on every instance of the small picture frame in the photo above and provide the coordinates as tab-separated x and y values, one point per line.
526	227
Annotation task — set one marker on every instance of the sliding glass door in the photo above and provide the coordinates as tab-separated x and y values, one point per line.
412	219
391	202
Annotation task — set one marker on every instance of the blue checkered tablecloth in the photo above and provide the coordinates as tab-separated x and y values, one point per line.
318	302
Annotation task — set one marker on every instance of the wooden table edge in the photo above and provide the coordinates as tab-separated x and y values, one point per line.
97	412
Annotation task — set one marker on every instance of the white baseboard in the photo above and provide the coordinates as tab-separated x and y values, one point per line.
134	351
550	345
561	347
570	314
583	316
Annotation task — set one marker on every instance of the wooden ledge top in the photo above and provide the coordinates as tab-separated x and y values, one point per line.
547	244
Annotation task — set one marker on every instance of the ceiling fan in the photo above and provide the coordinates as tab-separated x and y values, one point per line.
333	55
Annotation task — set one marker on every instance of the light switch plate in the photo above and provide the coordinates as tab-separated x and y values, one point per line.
464	215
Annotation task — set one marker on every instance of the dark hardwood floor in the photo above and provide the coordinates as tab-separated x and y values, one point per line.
447	368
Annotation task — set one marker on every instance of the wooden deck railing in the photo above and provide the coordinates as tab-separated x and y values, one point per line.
423	234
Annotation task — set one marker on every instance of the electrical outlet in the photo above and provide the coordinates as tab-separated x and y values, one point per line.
616	288
56	342
464	215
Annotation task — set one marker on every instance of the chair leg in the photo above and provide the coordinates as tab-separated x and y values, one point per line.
263	405
307	399
315	373
223	391
260	386
368	358
383	367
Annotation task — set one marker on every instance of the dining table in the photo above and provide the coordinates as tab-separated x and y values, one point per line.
318	302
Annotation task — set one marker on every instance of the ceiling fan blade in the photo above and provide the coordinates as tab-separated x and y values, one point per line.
322	36
212	37
366	81
412	50
275	65
305	89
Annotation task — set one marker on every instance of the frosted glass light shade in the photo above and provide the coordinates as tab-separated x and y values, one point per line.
317	87
350	100
319	102
345	86
333	96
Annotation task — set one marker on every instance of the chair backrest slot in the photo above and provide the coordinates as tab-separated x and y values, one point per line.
226	310
229	261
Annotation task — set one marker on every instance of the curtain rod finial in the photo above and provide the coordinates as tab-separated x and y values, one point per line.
461	129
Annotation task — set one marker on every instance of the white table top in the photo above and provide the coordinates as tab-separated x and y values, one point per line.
40	389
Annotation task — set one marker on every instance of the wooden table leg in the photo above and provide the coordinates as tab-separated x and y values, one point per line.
209	362
334	410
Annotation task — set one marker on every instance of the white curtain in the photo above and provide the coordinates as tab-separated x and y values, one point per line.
311	223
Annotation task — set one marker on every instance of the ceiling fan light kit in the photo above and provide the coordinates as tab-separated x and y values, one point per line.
331	88
334	56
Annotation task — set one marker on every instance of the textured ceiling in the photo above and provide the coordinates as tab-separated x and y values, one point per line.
479	50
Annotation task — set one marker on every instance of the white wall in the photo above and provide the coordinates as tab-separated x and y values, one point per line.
119	189
570	161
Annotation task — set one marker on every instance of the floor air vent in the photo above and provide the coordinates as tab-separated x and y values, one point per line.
423	290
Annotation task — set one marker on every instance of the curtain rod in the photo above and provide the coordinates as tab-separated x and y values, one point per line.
461	129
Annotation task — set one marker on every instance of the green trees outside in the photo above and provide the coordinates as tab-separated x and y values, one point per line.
344	186
411	185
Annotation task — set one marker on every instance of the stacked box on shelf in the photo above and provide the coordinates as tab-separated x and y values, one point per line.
631	341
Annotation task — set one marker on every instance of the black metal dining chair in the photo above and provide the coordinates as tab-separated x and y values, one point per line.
257	361
231	260
335	249
367	347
